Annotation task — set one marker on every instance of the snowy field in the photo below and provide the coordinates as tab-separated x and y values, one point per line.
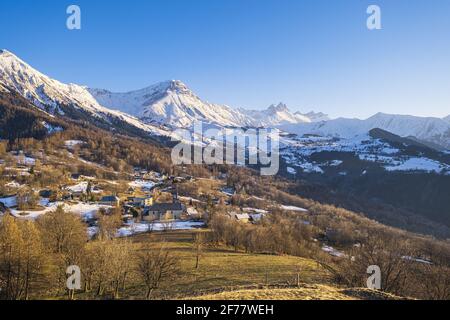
14	184
85	210
293	208
144	185
9	202
333	252
419	164
135	228
25	160
297	152
291	170
72	143
189	199
81	188
255	210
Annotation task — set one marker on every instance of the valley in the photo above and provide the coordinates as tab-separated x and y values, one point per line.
86	179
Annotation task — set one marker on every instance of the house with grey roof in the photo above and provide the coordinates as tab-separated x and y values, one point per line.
163	211
113	201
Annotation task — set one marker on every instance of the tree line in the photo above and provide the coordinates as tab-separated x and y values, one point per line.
34	257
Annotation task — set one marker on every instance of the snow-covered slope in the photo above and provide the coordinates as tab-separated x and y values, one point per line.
302	154
40	89
51	95
3	89
434	130
447	119
170	102
275	115
173	103
315	116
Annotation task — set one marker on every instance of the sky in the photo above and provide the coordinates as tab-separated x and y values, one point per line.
310	54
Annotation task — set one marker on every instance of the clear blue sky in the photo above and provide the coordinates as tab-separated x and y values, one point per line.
310	54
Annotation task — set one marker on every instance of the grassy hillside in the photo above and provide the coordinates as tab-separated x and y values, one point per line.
305	292
224	269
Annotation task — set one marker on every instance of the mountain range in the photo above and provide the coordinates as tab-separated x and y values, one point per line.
447	119
171	104
390	159
432	130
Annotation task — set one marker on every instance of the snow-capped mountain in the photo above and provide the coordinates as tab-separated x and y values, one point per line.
172	103
390	151
447	119
429	129
40	89
315	116
53	96
275	115
169	103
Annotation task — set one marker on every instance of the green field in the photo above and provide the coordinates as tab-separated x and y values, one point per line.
223	269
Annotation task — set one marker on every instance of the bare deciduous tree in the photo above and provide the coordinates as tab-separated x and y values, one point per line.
197	246
155	266
22	262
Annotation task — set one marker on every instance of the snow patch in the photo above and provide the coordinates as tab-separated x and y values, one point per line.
293	208
135	228
145	185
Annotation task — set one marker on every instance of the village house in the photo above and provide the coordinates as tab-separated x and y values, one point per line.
255	214
113	201
240	217
163	211
192	213
141	201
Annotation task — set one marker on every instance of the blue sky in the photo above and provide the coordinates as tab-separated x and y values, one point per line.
311	54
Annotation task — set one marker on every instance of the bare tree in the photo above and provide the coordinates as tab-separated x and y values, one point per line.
63	233
155	266
65	236
435	281
22	259
388	253
26	199
120	262
108	224
197	246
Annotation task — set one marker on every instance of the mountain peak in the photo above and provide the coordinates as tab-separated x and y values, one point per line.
278	108
8	54
170	86
169	102
177	85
